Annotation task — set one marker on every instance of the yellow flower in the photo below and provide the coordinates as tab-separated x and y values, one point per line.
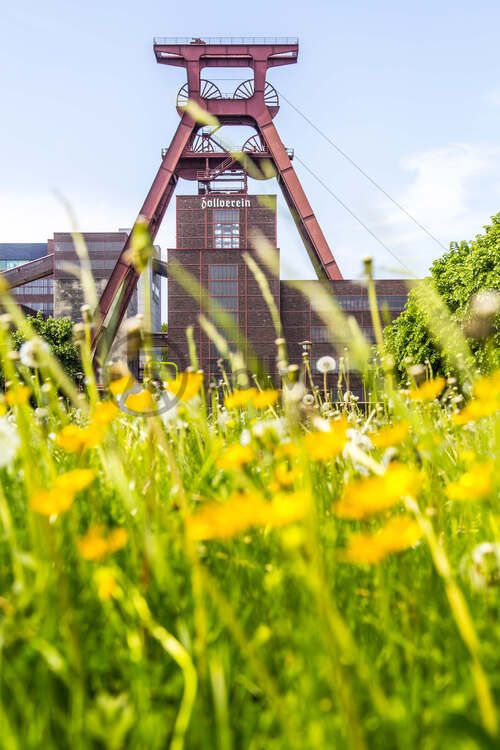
363	548
323	446
391	435
467	456
105	581
263	399
287	450
99	542
372	495
75	439
487	388
242	511
142	402
473	484
60	497
186	385
398	534
428	391
487	401
240	398
121	385
286	508
51	502
235	456
222	521
285	476
17	395
74	481
104	412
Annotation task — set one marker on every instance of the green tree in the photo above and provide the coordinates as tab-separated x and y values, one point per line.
459	275
58	333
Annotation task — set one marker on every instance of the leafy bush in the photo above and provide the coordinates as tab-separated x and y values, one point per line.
58	333
461	274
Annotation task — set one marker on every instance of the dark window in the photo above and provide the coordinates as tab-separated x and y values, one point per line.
320	334
223	286
40	286
393	302
223	271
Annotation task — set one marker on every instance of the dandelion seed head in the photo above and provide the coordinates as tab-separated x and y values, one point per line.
326	364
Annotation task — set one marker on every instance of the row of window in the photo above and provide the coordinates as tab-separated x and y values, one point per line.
96	264
222	271
224	230
6	264
40	286
45	307
223	286
226	216
351	302
321	334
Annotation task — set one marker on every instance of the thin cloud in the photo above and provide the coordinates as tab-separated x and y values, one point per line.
493	98
449	194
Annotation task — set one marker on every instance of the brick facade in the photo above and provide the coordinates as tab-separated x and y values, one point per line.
197	253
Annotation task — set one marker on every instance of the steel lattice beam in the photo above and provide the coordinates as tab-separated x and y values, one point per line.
256	108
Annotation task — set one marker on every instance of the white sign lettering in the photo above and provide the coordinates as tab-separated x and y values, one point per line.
225	203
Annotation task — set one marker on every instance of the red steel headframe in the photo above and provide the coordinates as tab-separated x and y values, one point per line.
195	55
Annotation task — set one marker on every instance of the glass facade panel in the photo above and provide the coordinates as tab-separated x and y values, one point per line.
223	286
6	264
222	271
226	228
40	286
45	307
320	335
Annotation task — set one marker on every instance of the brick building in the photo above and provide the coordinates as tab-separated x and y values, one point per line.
213	232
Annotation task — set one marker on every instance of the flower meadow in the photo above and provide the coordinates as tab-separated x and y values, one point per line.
251	565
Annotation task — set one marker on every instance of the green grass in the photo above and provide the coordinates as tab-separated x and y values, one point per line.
265	639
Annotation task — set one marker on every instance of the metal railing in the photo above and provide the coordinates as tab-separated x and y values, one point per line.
226	40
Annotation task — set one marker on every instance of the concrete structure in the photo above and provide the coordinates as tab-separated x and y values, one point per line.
35	295
55	268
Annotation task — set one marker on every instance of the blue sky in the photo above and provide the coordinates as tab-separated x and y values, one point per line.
411	90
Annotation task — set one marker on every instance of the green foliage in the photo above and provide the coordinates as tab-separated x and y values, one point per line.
249	602
58	333
462	272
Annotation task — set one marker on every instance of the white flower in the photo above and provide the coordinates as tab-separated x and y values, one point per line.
293	392
483	566
350	397
326	364
169	416
223	418
359	439
245	437
308	399
273	426
9	442
321	425
32	352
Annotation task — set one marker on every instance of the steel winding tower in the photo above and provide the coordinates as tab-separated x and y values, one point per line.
192	155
